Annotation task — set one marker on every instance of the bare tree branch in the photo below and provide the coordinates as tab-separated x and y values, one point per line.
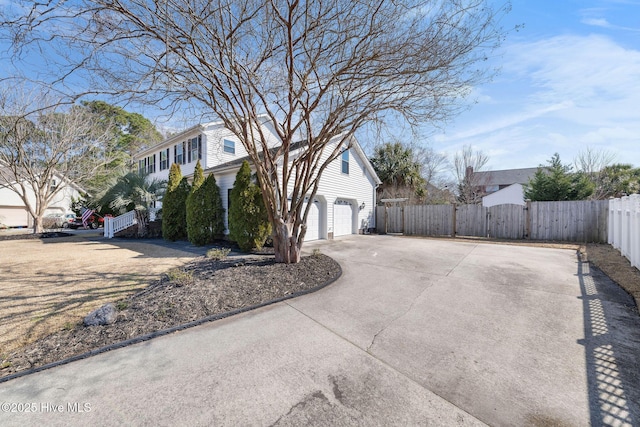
321	70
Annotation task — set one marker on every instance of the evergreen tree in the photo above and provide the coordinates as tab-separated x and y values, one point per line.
194	207
557	182
204	209
248	221
174	206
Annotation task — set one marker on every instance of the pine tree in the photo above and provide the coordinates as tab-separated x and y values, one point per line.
558	182
205	215
174	206
248	222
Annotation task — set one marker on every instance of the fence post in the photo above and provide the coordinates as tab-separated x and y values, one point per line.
386	219
453	220
527	219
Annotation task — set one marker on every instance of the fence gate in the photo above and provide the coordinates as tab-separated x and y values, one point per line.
506	222
471	220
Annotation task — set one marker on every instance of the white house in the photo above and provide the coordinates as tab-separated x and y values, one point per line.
502	186
13	212
513	194
344	203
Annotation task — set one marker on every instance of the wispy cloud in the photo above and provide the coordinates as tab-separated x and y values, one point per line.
557	94
603	23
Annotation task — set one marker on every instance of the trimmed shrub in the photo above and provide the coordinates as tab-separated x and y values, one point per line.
174	206
248	221
205	214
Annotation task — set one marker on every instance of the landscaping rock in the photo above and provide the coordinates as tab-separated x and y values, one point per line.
105	315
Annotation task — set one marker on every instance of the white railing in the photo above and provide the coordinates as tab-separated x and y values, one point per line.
624	227
113	225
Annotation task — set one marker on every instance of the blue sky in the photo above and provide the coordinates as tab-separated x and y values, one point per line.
569	79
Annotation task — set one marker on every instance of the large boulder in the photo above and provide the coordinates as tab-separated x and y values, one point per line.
105	315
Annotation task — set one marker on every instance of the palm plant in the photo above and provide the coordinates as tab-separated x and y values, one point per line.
134	191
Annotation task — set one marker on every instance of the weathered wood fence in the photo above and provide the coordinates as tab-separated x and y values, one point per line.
576	221
624	227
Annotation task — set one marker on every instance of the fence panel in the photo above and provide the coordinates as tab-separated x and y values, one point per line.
428	220
471	220
389	219
579	221
624	227
569	221
506	221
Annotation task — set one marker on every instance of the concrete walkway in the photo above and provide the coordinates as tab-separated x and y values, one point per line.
416	332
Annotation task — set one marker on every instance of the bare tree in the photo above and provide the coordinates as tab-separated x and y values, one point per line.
594	164
43	152
466	163
320	69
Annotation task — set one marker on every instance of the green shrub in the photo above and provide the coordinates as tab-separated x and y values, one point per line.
180	277
248	222
174	206
218	253
205	214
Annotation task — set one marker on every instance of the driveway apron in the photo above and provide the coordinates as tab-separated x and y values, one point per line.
415	332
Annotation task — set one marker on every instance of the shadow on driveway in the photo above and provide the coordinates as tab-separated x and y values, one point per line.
612	360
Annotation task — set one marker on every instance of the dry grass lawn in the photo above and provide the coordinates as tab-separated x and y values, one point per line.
50	284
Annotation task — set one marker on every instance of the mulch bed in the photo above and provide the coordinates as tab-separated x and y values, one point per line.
29	236
198	290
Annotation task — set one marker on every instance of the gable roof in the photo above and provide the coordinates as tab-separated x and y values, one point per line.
180	136
505	177
236	163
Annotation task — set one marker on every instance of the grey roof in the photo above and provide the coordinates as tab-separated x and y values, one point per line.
505	177
238	162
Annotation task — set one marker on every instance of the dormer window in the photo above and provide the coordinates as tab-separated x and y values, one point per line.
229	146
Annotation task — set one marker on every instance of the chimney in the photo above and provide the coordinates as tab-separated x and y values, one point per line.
469	172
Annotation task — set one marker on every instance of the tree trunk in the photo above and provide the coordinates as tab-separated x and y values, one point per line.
142	223
285	243
37	224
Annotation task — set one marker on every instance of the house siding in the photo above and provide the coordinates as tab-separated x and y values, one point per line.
356	188
213	153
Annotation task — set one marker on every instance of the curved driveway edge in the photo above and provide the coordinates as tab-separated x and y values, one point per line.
167	331
416	331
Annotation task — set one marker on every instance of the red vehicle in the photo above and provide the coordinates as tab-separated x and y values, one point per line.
93	222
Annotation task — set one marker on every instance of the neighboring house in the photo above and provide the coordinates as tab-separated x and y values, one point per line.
13	212
513	194
344	203
502	186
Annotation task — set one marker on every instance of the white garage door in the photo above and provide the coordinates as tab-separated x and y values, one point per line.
342	219
14	217
313	222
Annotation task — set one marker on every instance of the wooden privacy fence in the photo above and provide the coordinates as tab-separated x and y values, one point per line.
624	227
576	221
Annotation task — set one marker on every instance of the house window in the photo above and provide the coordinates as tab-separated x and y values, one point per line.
229	146
147	165
179	153
164	159
345	162
194	148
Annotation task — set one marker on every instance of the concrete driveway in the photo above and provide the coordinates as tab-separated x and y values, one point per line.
416	332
